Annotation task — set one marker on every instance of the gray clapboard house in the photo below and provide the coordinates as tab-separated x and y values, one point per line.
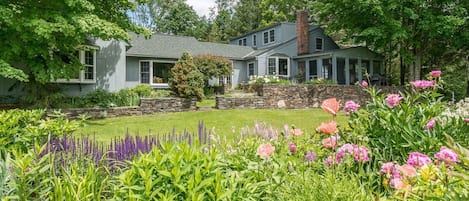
295	51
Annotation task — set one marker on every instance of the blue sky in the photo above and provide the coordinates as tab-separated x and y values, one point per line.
202	6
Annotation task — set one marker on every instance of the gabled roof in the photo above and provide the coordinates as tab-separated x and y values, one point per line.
172	47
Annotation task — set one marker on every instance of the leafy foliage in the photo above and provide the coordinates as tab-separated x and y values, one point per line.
21	129
186	80
41	38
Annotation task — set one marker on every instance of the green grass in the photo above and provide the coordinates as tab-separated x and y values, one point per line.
222	121
206	103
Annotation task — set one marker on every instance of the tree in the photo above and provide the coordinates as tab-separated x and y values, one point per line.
40	38
420	32
280	10
212	66
186	80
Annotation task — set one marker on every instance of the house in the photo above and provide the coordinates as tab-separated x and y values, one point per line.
295	51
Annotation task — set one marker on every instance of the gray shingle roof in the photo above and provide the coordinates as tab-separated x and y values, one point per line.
170	46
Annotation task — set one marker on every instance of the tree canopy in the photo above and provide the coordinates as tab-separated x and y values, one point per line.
39	39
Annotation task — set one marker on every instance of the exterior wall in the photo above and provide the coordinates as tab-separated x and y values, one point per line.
329	44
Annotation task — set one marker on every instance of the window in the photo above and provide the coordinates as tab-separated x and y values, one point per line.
145	72
155	72
272	66
313	70
269	36
250	69
279	66
327	69
319	44
242	42
254	40
224	81
266	37
86	74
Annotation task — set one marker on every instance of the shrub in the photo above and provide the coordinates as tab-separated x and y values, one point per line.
143	90
321	81
21	129
186	80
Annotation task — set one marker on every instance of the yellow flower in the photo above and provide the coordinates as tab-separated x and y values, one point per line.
428	172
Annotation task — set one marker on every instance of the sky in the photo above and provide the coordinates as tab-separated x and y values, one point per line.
202	7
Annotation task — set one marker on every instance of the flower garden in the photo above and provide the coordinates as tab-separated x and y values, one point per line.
407	146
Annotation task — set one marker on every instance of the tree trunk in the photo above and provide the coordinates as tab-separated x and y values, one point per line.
418	64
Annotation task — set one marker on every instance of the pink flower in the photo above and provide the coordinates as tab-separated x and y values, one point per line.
466	120
350	106
296	132
364	83
331	106
397	183
292	147
422	84
310	156
330	142
360	153
393	99
408	170
330	161
387	168
419	160
448	156
328	128
265	150
436	73
430	124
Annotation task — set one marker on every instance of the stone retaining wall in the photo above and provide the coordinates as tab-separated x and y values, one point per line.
298	96
147	106
242	103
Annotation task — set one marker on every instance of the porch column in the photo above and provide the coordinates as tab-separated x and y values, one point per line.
360	77
307	70
371	68
347	71
319	68
334	69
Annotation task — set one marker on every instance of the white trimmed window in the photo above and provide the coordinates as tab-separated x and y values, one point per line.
279	66
242	42
250	69
319	44
155	72
269	36
88	73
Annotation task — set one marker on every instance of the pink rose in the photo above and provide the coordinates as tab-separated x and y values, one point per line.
393	99
265	150
430	124
417	159
292	147
364	83
296	132
448	156
436	73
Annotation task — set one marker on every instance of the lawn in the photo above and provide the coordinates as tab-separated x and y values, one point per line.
222	121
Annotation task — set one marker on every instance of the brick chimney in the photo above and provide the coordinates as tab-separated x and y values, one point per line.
302	27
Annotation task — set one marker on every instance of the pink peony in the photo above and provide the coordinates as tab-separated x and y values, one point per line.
330	106
265	150
310	156
387	168
430	124
360	153
448	156
407	170
422	84
350	106
296	132
466	120
364	83
328	128
393	99
330	142
436	73
417	159
292	147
